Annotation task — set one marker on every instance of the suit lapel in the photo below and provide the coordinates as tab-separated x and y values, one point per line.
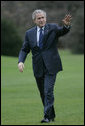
46	30
35	35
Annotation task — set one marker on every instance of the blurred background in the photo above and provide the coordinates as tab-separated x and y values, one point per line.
16	19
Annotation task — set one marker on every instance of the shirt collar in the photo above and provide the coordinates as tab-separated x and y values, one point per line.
38	28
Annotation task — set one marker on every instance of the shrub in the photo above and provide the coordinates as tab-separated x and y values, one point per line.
10	39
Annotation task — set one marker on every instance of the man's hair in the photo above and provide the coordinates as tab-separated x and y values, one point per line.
36	12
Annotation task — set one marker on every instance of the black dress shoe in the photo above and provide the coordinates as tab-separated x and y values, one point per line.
46	120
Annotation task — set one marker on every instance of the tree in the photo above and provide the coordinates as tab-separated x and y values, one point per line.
77	35
10	40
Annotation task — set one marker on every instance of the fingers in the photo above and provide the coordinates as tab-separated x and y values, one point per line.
21	66
68	17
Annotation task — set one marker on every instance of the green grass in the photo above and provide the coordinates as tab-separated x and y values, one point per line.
20	100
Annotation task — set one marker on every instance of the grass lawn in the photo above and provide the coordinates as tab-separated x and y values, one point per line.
20	100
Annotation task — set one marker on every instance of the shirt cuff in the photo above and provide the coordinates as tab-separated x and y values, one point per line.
67	26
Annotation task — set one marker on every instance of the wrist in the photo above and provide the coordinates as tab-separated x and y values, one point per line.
67	26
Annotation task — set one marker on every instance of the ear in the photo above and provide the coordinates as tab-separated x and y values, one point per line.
34	21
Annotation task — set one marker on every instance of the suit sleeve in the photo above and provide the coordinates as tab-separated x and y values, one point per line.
62	30
24	50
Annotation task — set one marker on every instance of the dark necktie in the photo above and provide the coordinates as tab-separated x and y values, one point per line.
40	39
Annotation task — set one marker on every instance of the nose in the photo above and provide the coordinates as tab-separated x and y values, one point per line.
41	19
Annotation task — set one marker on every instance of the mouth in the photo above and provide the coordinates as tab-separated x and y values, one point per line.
42	23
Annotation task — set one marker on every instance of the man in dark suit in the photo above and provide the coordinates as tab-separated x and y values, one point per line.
42	41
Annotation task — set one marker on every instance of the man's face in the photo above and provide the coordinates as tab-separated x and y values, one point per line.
40	20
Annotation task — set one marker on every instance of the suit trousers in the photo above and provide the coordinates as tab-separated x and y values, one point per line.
45	85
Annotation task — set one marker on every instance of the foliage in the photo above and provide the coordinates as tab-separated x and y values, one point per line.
77	39
10	40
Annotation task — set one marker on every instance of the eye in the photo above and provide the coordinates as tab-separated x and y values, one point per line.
39	18
42	17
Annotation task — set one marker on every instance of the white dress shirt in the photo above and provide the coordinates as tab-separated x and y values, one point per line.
38	33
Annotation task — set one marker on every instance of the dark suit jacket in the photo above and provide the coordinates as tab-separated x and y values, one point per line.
49	53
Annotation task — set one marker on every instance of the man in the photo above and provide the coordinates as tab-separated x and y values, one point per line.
42	41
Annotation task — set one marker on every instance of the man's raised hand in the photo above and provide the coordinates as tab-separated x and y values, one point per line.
67	20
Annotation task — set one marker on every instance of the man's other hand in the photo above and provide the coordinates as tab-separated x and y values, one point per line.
21	66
